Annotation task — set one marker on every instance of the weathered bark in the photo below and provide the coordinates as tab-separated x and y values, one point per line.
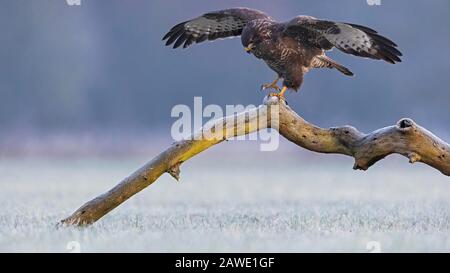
406	138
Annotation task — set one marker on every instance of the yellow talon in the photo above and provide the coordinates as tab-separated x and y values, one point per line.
272	85
280	94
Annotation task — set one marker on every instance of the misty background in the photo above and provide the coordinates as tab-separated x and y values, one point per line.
86	94
100	70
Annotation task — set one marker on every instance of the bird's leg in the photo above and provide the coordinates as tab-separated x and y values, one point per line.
272	85
280	94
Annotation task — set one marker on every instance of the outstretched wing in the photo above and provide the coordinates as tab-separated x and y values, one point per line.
349	38
212	26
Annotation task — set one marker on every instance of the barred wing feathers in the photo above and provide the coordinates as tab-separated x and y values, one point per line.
212	26
350	38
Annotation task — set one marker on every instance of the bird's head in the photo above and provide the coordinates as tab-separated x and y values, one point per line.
250	39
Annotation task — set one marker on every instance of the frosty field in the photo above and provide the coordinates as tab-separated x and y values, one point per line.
292	201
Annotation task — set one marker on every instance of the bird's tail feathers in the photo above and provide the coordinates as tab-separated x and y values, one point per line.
344	70
324	61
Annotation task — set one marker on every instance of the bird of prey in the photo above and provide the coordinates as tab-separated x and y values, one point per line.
290	48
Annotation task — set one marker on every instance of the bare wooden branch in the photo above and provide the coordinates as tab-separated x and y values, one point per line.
170	160
406	138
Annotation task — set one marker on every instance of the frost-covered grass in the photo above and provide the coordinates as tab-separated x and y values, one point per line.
229	202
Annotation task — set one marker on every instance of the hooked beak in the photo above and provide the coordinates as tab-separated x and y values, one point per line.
249	48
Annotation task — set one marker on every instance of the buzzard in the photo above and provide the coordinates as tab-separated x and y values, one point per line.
291	48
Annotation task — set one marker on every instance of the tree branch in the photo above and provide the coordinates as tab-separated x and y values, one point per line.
405	138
